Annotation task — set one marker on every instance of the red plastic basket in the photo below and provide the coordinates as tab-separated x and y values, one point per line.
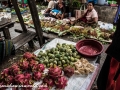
89	47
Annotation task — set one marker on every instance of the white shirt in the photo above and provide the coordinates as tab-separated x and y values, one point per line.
51	4
92	14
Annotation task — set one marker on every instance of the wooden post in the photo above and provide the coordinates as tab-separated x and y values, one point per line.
36	20
6	33
31	44
17	10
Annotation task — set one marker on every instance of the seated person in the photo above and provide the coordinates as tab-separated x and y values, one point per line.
9	4
62	14
49	8
90	17
24	3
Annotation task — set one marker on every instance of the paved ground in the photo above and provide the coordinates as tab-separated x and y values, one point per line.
20	51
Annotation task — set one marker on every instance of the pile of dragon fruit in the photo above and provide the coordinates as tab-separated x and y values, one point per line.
28	70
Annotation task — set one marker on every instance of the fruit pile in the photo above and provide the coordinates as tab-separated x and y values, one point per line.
76	30
62	55
28	70
83	67
23	72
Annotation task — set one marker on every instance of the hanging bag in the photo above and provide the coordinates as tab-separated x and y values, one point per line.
83	1
79	13
6	48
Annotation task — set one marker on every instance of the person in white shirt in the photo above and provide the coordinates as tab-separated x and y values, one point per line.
50	7
90	16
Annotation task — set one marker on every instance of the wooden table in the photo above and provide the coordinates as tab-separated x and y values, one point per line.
5	29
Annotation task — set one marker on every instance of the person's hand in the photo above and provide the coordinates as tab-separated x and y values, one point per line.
45	11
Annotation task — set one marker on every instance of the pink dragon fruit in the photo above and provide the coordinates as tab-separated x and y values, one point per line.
28	55
2	83
28	79
34	68
19	79
38	67
27	76
37	76
32	63
54	72
5	73
42	87
14	70
9	79
68	71
41	67
48	81
61	82
24	65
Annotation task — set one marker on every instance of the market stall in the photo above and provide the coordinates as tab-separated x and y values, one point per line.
52	61
78	81
53	28
64	28
45	71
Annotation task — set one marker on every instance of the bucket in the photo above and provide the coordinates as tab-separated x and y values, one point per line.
101	2
95	1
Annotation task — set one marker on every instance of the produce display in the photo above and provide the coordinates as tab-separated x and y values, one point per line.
68	71
62	27
22	10
26	18
28	71
62	56
55	27
52	67
94	33
65	56
83	67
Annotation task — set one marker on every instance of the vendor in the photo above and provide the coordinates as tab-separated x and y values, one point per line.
62	14
9	4
90	17
24	3
49	8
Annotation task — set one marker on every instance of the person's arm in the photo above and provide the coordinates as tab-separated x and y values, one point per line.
47	10
63	12
50	5
82	15
94	20
62	16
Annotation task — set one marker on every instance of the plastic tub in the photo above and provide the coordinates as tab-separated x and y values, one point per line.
101	2
89	47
